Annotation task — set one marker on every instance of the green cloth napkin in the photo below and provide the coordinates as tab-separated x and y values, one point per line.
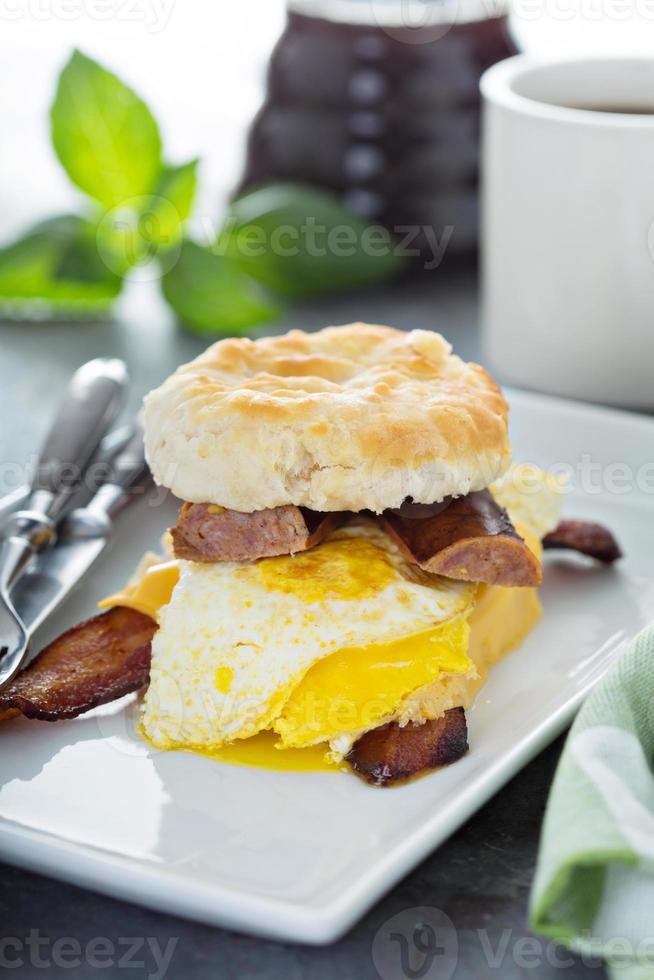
594	885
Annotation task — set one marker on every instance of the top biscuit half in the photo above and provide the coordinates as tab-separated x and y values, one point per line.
348	418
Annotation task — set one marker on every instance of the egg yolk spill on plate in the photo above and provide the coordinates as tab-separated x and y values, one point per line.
262	752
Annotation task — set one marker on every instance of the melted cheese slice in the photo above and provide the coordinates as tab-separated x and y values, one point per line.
503	617
150	593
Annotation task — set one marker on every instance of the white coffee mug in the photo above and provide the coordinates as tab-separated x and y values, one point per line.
568	226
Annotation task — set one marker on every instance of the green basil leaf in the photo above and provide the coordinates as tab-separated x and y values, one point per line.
301	241
56	269
104	135
210	294
163	217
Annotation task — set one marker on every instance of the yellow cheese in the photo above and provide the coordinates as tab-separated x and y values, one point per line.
150	593
500	621
502	617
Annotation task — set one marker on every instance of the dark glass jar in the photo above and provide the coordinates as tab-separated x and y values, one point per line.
380	110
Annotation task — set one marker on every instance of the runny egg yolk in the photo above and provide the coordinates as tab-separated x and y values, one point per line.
359	688
344	568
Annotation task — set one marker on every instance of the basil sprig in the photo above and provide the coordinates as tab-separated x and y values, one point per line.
283	240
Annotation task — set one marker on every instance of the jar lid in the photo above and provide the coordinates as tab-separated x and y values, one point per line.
409	17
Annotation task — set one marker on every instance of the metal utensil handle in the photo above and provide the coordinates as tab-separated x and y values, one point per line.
90	405
129	466
128	472
82	536
112	443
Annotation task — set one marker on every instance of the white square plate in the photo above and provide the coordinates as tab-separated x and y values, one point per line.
301	856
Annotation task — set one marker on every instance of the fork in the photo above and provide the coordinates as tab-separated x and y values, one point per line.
89	407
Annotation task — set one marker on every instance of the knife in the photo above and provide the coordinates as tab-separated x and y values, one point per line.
82	536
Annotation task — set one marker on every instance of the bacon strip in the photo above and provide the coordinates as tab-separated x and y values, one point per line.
93	663
207	533
389	753
472	539
587	538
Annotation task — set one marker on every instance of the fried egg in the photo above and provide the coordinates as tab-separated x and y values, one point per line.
313	645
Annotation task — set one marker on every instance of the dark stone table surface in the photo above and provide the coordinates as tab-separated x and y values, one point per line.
479	880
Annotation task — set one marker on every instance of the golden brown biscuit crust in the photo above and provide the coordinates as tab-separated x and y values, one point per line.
346	418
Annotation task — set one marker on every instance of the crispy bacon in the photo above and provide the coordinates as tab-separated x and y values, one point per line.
389	753
472	539
587	538
93	663
207	533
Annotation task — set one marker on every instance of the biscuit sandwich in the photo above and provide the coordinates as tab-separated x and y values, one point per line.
353	552
347	569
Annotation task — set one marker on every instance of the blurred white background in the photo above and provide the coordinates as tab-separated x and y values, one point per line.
200	65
